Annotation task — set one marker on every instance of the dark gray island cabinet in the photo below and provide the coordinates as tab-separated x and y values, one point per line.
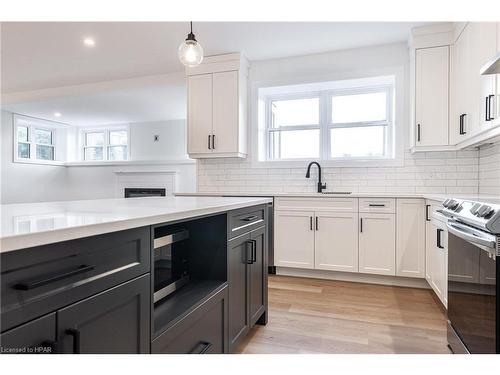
97	294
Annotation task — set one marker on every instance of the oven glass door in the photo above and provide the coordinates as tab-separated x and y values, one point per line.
472	294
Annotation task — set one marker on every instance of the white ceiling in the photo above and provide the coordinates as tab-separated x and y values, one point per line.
38	55
150	103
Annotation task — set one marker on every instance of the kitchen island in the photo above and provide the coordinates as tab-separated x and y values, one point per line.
104	276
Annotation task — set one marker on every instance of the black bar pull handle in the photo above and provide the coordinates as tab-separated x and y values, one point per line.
427	218
249	258
204	345
213	141
254	251
310	222
361	225
76	339
418	132
462	124
317	223
487	110
376	205
250	218
438	238
35	283
490	106
209	144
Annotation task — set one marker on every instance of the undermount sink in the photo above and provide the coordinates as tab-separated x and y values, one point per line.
336	192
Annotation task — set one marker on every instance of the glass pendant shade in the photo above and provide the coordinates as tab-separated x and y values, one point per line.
190	52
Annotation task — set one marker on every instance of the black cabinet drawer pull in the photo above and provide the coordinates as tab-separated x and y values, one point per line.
418	132
76	339
376	205
205	347
35	283
462	124
487	110
250	218
213	141
317	223
490	117
361	225
427	218
249	258
310	222
209	144
438	239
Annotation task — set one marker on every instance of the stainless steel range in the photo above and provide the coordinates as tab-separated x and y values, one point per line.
473	268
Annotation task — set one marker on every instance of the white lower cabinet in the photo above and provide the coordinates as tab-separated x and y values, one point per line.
436	255
410	243
377	244
294	239
336	241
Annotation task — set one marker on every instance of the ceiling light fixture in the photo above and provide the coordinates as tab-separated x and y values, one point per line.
89	42
190	51
57	114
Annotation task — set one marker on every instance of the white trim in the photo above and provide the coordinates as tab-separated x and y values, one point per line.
33	123
106	145
128	162
372	77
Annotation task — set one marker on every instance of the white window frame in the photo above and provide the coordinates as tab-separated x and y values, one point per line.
33	123
106	145
325	122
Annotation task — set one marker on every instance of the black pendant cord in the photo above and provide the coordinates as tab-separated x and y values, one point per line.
191	35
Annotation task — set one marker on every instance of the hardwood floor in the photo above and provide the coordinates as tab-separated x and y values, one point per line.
325	316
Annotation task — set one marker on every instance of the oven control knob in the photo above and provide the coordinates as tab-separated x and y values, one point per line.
475	208
453	204
489	214
484	210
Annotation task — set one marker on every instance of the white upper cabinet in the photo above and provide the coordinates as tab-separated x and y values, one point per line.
217	107
336	241
410	238
431	96
199	113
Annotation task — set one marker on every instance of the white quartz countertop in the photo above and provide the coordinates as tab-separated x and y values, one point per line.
434	197
32	224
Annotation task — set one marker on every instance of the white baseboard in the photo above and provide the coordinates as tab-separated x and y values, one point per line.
354	277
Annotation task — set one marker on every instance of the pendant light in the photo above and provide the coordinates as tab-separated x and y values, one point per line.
190	51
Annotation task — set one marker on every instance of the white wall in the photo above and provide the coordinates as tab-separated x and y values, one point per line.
430	172
27	182
171	144
38	183
489	170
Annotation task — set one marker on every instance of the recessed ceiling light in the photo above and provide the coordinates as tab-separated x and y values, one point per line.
57	114
89	42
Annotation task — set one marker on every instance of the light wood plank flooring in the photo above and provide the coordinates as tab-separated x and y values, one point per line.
324	316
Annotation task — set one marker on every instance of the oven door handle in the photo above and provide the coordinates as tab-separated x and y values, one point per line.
472	235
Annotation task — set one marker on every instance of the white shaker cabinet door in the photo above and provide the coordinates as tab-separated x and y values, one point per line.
199	113
225	116
336	241
410	235
294	239
431	96
377	244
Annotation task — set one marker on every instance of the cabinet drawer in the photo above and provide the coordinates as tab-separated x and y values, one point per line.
317	204
39	280
246	220
35	337
381	205
202	331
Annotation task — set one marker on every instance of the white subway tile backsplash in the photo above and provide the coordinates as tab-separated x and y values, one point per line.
449	172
